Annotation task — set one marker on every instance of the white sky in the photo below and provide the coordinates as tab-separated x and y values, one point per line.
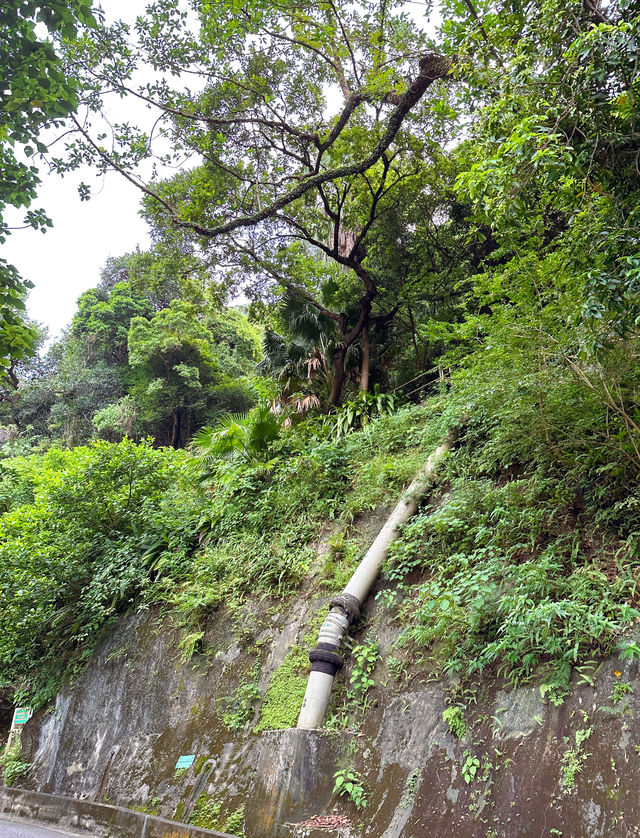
66	260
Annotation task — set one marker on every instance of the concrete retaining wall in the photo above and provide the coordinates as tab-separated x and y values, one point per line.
95	818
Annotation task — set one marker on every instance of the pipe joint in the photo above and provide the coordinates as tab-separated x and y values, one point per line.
333	629
323	660
349	604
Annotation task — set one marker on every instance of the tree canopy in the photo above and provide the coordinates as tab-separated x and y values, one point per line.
307	123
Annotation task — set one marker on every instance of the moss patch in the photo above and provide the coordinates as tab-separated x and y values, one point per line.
235	821
312	628
206	812
197	768
283	699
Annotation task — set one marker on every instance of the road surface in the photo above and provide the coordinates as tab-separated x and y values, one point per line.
24	829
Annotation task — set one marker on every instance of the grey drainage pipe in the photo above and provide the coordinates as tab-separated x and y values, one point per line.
325	658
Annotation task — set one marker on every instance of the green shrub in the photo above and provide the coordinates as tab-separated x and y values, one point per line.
12	765
348	783
103	526
454	717
90	533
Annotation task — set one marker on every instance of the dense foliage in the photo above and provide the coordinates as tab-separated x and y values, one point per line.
79	536
454	243
138	359
528	557
92	532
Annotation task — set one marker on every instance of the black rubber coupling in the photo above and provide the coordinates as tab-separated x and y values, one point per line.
349	604
325	661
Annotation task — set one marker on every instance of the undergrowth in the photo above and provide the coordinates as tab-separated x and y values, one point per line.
528	557
91	533
513	580
12	765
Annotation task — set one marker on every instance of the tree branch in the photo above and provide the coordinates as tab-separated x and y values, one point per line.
483	31
432	68
275	273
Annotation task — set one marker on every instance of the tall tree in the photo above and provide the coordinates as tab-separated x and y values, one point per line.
179	382
102	321
306	120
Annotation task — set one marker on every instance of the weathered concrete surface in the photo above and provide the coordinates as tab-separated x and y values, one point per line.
94	818
116	735
525	750
293	771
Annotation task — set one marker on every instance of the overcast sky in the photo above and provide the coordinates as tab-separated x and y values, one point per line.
66	260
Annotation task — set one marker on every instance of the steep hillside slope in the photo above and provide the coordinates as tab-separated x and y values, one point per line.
491	685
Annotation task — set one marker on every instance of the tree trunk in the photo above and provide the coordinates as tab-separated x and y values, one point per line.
364	371
338	375
14	401
419	363
185	428
175	431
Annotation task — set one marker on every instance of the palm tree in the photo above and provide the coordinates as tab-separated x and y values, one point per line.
300	360
248	437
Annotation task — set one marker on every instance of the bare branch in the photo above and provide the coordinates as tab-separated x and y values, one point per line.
347	42
335	65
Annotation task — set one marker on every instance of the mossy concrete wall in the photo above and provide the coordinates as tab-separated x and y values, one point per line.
523	768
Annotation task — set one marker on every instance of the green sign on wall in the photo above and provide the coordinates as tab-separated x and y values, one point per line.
185	761
21	715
